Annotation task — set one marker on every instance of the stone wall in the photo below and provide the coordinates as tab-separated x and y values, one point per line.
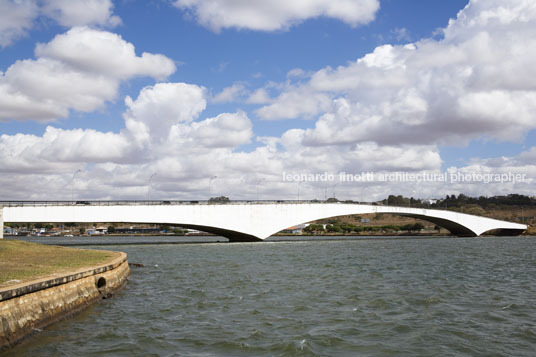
34	305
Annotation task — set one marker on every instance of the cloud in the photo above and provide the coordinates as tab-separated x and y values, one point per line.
260	96
227	130
79	70
230	94
70	13
463	86
164	133
151	116
16	18
296	102
276	15
387	111
103	52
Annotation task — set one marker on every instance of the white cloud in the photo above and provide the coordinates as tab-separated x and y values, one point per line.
466	85
59	150
104	52
71	13
228	130
277	14
16	18
79	70
159	107
230	94
384	112
299	102
260	96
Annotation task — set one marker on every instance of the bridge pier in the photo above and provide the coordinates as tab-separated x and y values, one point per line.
1	222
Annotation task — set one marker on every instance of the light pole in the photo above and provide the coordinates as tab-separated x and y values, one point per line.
210	185
72	185
258	183
299	183
149	185
333	189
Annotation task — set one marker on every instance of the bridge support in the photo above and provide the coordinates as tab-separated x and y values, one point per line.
1	222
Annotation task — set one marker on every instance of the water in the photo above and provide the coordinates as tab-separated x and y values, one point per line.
375	297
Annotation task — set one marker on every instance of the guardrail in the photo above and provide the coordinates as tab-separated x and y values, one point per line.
162	202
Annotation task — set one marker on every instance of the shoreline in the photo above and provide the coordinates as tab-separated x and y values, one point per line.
32	305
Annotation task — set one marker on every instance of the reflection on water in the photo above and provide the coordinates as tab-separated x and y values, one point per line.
391	297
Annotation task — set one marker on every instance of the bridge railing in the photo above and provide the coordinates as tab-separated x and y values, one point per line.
161	202
178	202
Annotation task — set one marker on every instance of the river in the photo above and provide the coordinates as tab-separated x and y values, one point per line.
352	297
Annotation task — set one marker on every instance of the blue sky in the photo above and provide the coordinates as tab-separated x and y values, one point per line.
435	116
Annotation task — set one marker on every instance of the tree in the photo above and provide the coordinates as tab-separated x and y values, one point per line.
111	229
220	199
334	228
418	227
314	228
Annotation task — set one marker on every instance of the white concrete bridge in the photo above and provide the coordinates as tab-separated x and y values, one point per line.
237	221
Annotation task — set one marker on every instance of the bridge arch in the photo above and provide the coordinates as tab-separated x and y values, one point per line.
239	221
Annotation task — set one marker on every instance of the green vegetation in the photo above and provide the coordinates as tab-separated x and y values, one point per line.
465	202
513	207
220	199
337	226
23	261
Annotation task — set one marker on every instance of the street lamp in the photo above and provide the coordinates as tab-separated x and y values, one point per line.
210	185
72	185
258	183
149	185
333	189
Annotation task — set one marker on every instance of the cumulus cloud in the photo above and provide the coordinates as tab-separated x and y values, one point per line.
159	107
230	94
161	126
79	70
70	13
104	52
384	112
276	15
463	86
260	96
296	102
17	17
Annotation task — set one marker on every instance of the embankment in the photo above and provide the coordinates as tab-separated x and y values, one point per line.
29	306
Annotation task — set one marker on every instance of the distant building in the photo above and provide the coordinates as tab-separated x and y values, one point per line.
102	230
295	229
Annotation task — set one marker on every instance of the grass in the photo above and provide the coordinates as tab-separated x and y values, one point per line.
24	261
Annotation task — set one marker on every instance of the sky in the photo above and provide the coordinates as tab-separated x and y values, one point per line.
191	99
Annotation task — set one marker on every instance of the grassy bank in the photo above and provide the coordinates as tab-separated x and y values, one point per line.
23	261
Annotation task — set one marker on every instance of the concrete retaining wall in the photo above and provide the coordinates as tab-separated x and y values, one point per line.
34	305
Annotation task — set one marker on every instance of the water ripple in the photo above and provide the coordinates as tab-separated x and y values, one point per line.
442	297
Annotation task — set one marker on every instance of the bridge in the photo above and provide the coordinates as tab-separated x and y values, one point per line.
239	221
